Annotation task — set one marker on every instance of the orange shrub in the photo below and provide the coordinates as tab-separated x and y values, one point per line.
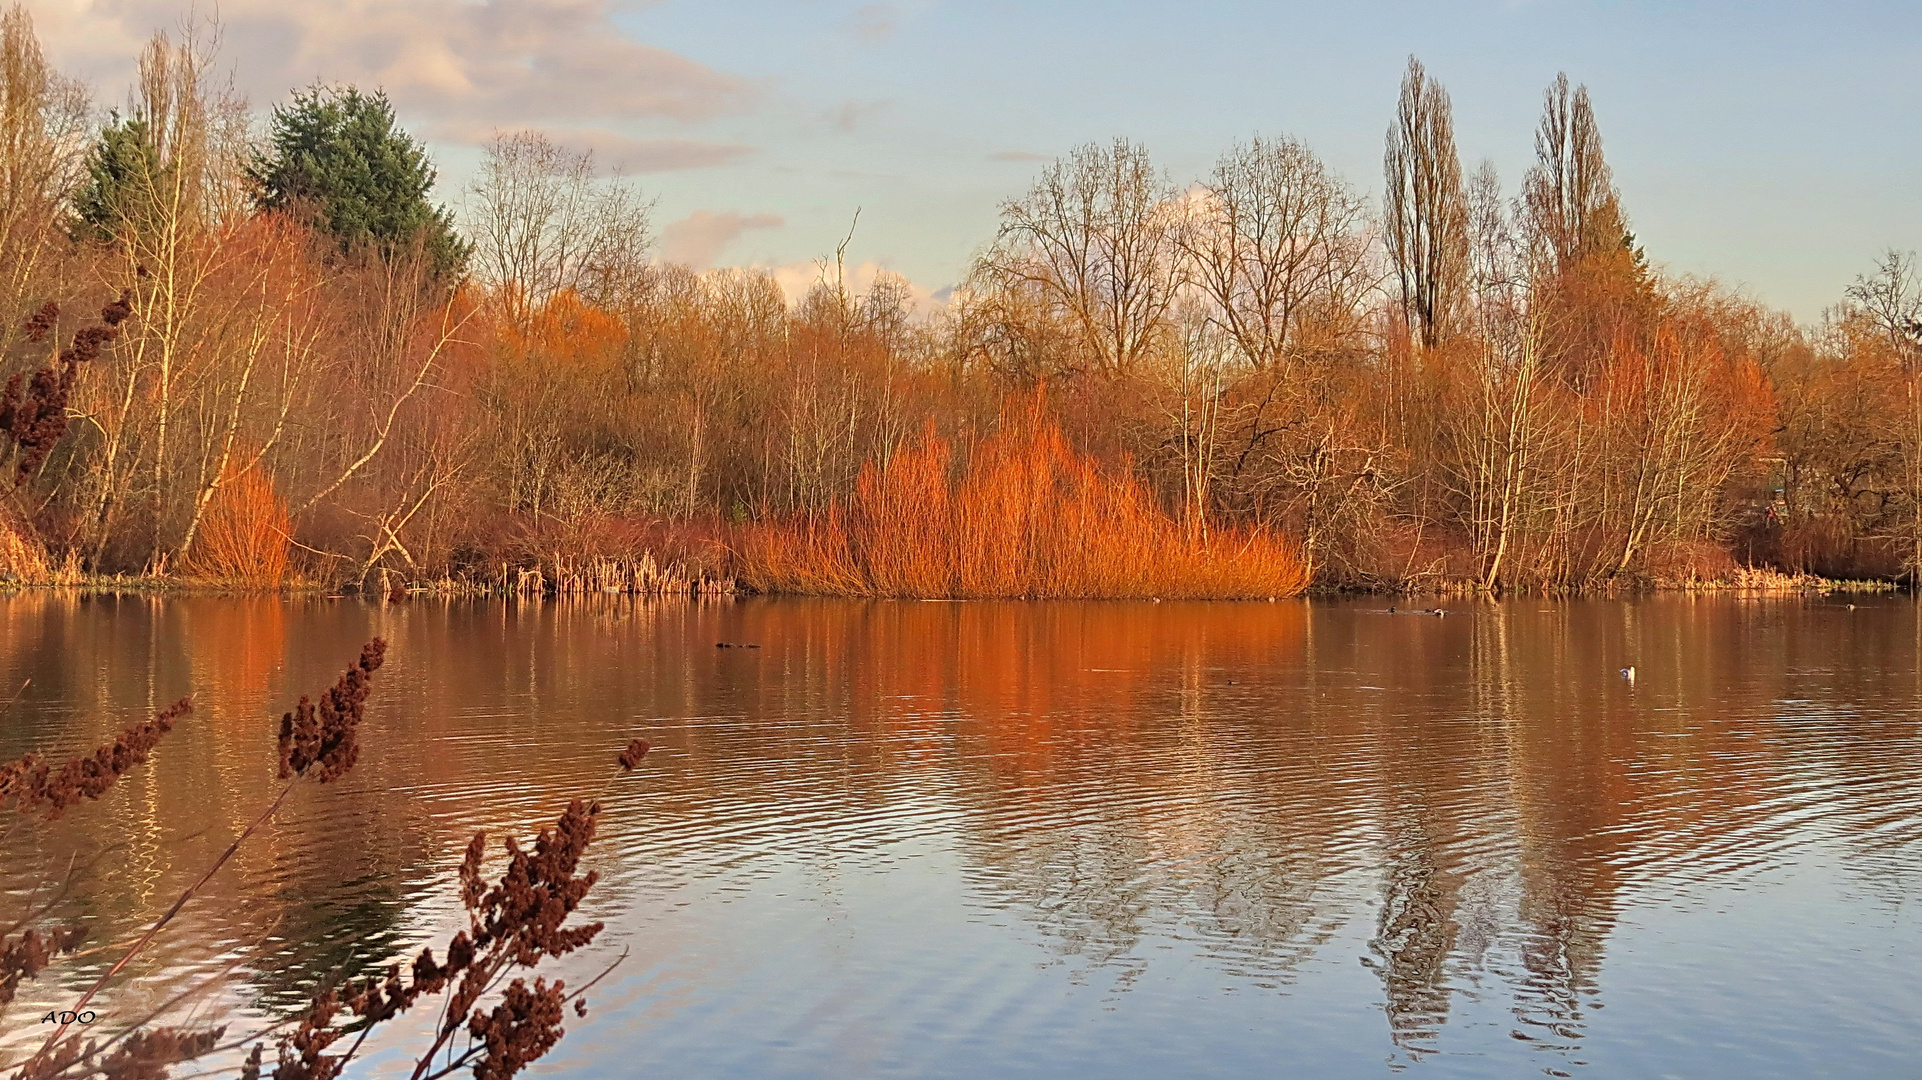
1025	517
243	535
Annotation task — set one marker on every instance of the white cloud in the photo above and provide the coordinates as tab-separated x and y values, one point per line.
447	61
699	238
798	278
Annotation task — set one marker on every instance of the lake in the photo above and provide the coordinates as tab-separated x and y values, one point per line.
1046	839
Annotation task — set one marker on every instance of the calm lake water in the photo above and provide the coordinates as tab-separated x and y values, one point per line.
1050	839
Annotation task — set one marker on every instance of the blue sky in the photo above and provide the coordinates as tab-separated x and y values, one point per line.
1771	145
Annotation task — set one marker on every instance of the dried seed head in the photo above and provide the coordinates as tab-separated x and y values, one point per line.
301	1056
525	1025
35	786
471	887
526	910
41	323
34	413
327	734
631	757
120	310
24	957
146	1055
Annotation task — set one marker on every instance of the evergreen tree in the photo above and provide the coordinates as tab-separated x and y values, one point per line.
338	155
123	171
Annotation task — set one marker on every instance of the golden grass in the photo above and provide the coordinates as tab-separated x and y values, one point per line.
1025	516
25	560
22	559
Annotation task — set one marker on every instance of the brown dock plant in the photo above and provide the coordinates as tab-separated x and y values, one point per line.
35	786
33	413
493	1022
327	734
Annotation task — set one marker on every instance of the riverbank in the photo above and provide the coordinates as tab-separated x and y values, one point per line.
1106	542
647	578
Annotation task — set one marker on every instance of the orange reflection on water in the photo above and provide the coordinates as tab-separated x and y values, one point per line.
1466	805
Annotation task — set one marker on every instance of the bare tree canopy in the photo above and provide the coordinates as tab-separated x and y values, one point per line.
43	121
542	222
1892	298
1092	240
1279	246
1569	196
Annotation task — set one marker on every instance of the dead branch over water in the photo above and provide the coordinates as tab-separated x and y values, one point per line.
1477	386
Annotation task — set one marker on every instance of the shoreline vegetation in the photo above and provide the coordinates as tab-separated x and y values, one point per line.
618	578
247	350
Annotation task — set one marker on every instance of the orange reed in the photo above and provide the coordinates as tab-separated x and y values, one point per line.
1024	516
243	538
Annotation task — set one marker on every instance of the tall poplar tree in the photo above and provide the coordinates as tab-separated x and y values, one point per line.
1427	208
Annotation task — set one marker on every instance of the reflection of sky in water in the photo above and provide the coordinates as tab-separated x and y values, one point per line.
1068	839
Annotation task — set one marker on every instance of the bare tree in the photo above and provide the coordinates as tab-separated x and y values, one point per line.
1569	196
543	223
43	119
1275	242
1498	427
1495	260
1892	298
1093	240
176	183
1427	208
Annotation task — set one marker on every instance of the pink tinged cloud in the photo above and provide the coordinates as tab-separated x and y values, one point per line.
850	115
797	279
698	239
613	152
619	152
874	22
450	61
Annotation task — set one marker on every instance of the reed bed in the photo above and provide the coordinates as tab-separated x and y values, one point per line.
643	575
1024	516
242	540
24	560
1763	579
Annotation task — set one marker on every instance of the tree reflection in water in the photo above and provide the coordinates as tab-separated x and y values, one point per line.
1258	798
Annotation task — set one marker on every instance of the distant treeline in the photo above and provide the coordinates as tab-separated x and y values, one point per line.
327	376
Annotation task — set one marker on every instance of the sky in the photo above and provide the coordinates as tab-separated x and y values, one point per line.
1770	145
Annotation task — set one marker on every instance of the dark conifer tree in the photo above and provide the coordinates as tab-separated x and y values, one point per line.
337	154
123	169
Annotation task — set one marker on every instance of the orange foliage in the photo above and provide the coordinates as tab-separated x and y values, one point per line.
1026	516
243	537
566	325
